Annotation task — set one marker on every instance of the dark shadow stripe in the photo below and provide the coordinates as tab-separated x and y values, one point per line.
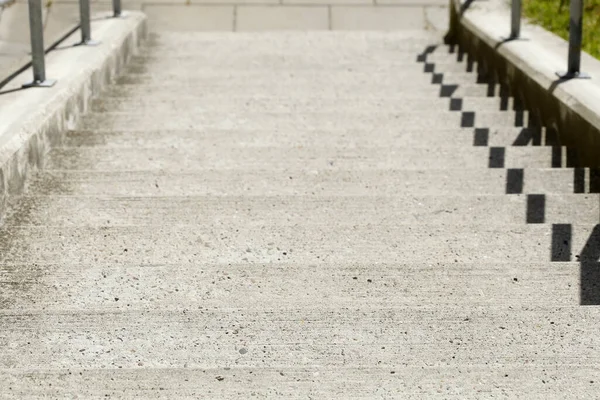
467	119
496	158
536	208
556	156
514	181
589	273
456	104
578	180
561	242
594	180
481	137
448	90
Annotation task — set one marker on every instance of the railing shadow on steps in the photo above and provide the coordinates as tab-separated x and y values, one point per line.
38	50
531	133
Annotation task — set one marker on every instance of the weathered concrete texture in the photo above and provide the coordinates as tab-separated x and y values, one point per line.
218	89
431	381
61	210
281	120
301	215
306	182
196	158
321	243
34	120
391	136
252	103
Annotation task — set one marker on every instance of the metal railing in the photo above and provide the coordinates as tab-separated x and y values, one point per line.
575	36
36	29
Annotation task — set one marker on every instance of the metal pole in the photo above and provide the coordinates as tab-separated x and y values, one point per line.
37	45
84	13
515	19
86	28
575	38
117	8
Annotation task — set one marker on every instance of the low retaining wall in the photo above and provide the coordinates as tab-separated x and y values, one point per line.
528	69
34	120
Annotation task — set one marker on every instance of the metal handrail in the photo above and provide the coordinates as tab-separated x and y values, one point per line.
575	36
515	20
575	32
37	37
117	12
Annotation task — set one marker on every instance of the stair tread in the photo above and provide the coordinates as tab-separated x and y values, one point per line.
292	213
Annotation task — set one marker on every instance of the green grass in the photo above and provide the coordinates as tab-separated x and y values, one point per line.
554	16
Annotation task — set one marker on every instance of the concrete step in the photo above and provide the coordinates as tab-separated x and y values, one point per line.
184	158
257	210
321	45
433	381
253	103
280	338
149	64
87	287
154	62
339	136
441	182
343	90
282	121
192	71
291	79
321	243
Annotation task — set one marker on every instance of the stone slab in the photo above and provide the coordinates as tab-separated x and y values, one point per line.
184	18
270	121
189	158
280	183
255	211
267	18
377	18
440	381
311	244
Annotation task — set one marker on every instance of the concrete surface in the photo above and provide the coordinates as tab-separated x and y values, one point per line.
57	210
189	158
301	215
35	120
309	182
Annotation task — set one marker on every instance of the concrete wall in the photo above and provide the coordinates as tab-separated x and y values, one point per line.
526	69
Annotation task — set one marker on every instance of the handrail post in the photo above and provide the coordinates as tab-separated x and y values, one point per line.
575	39
86	27
36	30
117	11
515	19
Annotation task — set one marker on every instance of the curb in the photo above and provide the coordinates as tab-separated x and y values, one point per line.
36	119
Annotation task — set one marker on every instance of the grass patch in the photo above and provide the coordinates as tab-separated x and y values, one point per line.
553	15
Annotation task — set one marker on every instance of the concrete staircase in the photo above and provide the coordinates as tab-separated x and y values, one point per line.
302	215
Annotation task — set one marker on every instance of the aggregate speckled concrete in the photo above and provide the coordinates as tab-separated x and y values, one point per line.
302	229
